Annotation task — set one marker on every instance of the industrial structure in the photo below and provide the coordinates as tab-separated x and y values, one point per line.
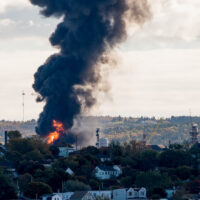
194	134
101	142
97	135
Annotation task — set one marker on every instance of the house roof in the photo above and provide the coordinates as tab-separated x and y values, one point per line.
106	168
135	189
78	195
50	195
2	149
158	147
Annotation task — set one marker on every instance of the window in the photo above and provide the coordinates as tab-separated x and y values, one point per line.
130	193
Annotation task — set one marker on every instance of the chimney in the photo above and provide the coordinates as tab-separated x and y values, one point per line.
6	138
97	134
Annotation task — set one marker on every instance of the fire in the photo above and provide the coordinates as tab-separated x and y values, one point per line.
59	129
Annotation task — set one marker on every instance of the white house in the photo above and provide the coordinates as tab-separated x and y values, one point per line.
103	157
65	151
58	196
129	194
69	171
52	197
82	195
170	192
107	172
67	195
102	194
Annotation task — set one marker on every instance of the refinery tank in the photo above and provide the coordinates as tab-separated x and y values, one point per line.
103	142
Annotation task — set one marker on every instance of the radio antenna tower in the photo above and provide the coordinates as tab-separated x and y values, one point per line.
23	94
194	132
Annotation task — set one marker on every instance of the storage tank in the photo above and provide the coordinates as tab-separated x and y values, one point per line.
103	142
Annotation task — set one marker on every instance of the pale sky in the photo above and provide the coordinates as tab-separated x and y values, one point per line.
158	73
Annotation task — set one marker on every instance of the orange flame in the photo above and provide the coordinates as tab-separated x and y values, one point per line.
59	129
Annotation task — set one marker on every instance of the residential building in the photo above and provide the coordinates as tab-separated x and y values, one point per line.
9	168
103	157
52	197
158	147
102	194
82	195
69	171
170	192
58	196
129	194
107	172
65	151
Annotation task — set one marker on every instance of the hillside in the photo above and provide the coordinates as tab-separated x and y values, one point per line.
174	129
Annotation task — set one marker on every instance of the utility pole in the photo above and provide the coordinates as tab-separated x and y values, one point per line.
23	94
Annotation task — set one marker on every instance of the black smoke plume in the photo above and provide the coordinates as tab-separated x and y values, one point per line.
88	31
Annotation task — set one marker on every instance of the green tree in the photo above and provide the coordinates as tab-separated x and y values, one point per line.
94	184
158	193
126	181
34	155
175	158
14	135
54	150
184	172
52	176
37	189
193	186
24	180
149	160
152	179
7	187
75	186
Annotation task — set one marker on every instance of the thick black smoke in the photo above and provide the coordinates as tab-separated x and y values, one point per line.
89	29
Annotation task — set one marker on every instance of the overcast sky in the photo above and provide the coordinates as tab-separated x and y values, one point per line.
158	73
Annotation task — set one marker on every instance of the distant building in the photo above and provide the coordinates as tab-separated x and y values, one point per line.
65	151
194	134
130	194
9	168
2	150
170	193
58	196
46	163
69	171
52	197
118	194
103	157
103	142
158	147
101	194
82	195
107	172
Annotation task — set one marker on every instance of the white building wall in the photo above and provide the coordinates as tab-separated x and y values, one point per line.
100	174
57	197
143	193
65	151
119	194
102	194
54	197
